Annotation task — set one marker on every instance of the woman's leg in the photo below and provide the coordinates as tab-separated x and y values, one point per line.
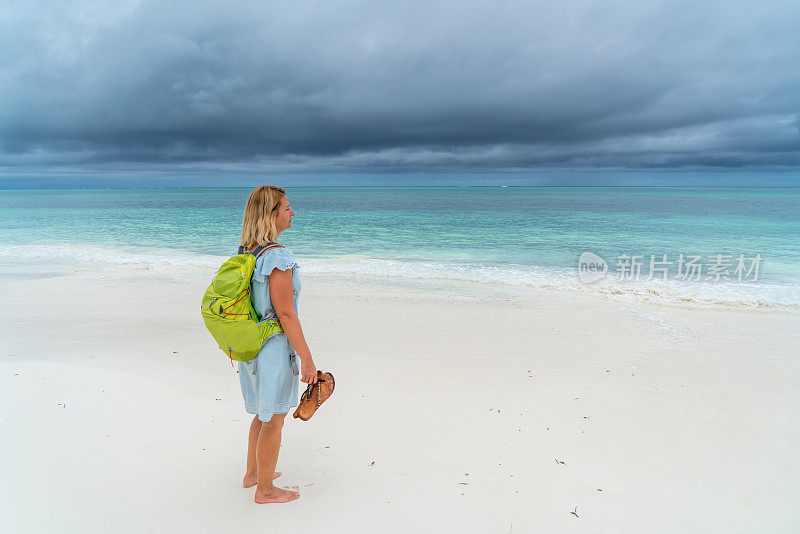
251	473
267	448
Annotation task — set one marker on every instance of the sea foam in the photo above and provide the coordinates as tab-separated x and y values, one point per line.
757	294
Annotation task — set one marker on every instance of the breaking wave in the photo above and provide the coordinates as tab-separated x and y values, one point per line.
758	294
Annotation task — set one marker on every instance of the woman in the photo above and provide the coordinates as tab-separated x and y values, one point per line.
269	382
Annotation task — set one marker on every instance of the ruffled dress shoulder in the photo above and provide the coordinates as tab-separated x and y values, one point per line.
277	258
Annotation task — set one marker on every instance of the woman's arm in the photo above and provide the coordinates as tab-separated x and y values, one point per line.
281	291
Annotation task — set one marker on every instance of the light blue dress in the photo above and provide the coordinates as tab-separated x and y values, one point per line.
270	381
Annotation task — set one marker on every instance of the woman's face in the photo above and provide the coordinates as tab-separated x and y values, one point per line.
283	220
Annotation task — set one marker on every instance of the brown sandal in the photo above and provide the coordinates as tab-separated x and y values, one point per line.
314	395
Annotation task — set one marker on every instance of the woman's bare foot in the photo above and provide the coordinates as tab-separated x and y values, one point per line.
276	495
251	480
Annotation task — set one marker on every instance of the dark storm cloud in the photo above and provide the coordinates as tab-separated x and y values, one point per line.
301	86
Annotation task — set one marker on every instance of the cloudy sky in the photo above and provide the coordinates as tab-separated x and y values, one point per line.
177	90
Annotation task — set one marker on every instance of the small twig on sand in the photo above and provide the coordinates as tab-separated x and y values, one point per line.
575	512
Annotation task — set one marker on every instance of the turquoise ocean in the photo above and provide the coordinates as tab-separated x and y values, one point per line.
519	236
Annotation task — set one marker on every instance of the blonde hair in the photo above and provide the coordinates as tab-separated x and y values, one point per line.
258	223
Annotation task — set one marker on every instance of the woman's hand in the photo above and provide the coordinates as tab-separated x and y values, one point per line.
308	371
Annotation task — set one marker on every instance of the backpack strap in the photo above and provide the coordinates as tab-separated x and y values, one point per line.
260	249
268	247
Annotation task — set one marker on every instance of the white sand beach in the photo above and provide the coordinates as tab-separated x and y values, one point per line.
459	407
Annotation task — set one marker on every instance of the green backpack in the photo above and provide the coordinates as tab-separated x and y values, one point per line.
228	311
